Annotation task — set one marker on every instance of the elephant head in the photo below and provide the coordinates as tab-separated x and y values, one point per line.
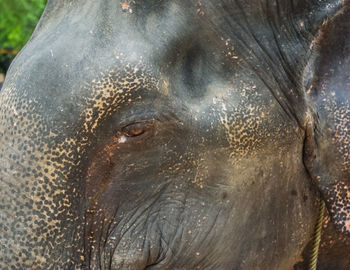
164	134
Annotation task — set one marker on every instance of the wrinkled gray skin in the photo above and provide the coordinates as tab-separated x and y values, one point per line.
162	134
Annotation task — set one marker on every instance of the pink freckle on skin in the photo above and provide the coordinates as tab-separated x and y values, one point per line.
125	6
347	225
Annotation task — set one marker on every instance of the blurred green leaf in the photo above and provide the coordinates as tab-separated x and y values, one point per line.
18	19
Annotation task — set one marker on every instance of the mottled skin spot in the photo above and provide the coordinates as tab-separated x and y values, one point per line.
175	135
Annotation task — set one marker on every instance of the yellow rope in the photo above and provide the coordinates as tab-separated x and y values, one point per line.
316	238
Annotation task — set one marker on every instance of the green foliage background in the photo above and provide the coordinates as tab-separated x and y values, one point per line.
18	19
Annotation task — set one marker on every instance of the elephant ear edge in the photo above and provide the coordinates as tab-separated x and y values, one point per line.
327	144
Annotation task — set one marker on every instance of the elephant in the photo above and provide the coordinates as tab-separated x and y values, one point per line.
178	135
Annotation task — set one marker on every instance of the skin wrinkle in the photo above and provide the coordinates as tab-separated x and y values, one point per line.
286	103
127	222
292	74
134	225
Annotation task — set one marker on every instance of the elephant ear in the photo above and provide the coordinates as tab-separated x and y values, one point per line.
311	13
327	147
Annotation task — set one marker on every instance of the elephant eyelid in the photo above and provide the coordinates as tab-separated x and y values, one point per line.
135	131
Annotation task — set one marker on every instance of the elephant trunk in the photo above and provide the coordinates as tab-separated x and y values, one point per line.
36	193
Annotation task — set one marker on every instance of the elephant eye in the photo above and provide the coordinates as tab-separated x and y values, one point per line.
134	131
